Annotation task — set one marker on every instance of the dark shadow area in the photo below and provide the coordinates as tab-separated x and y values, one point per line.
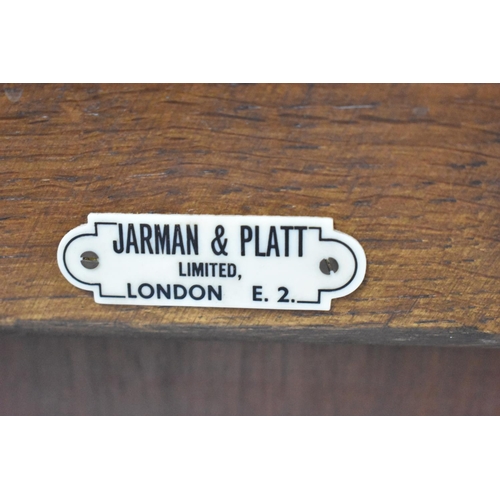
63	375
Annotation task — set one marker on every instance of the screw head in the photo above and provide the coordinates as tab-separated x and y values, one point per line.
329	265
90	260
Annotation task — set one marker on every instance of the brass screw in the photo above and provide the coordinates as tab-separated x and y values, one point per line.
90	260
326	266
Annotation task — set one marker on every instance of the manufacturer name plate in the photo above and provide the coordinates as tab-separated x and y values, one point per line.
261	262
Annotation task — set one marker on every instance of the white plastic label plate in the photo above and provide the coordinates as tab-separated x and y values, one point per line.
261	262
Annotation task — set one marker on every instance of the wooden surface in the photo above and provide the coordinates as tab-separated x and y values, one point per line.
82	375
411	171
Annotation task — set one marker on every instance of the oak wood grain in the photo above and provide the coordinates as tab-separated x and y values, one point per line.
411	171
